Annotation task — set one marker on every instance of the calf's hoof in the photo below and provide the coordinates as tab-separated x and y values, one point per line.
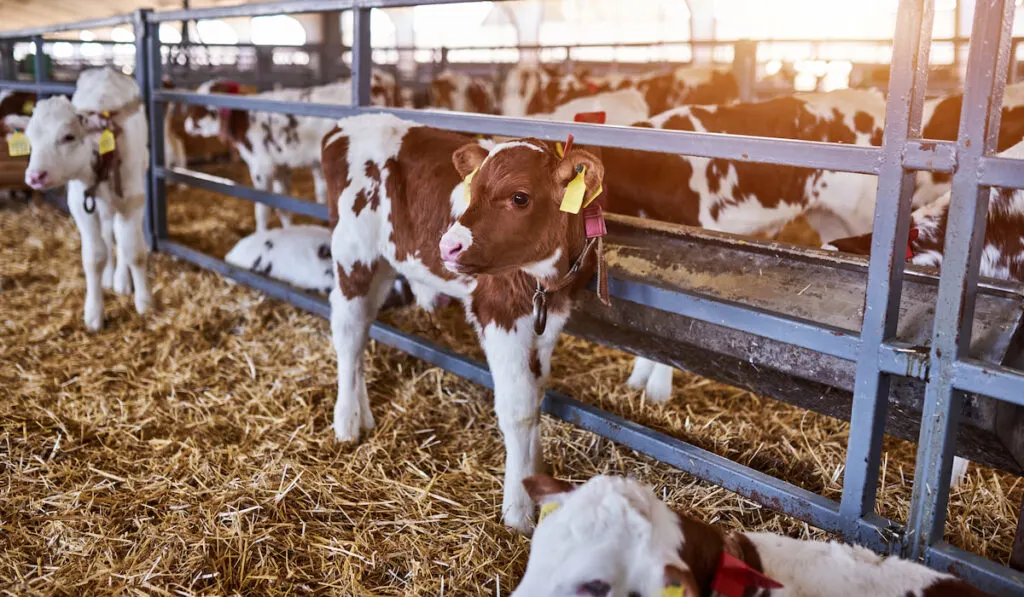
517	512
659	385
94	319
143	303
122	281
346	429
107	279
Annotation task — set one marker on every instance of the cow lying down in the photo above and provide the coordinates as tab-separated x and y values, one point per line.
301	256
612	537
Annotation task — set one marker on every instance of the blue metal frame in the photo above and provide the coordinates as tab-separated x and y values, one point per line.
878	355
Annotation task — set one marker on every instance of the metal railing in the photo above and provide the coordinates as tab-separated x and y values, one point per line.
878	355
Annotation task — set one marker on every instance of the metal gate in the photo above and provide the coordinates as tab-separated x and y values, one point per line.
879	358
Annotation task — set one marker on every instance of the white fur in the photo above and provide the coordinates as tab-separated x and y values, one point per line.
616	530
292	254
509	145
116	218
622	107
545	268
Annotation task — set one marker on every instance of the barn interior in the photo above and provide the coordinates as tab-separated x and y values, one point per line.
190	451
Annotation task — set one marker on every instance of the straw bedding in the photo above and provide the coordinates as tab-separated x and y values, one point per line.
190	452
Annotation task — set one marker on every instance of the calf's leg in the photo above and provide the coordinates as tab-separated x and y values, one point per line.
359	289
131	252
519	363
94	254
109	278
319	185
281	185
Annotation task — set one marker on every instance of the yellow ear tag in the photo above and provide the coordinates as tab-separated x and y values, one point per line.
673	592
18	145
572	201
466	182
28	107
107	143
559	149
546	509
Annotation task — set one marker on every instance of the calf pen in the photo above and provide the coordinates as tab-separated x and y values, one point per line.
911	365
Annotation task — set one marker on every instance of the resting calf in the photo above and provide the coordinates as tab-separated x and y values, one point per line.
612	537
106	190
399	206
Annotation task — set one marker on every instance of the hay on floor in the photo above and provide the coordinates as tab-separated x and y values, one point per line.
190	451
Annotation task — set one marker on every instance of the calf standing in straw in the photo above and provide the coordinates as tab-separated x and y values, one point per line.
96	144
500	229
612	537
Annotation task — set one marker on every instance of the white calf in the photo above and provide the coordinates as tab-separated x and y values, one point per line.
106	189
298	255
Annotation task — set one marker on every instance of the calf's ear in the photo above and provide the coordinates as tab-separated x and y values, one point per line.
468	158
680	582
543	488
570	166
16	122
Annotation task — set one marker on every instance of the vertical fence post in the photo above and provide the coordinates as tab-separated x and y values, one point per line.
362	57
145	88
156	205
907	81
744	68
954	309
39	62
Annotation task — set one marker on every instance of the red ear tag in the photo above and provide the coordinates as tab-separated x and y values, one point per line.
591	117
568	145
911	238
734	576
231	87
593	221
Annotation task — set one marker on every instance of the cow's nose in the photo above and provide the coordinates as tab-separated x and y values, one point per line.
37	178
450	249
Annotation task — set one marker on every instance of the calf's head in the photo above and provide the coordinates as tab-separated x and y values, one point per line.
610	537
63	142
207	121
514	220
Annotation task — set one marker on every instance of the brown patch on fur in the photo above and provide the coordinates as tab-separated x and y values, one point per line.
442	93
665	193
356	283
334	158
535	362
541	486
949	587
857	245
15	103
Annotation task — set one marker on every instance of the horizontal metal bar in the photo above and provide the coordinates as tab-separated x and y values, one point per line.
764	489
49	88
826	339
75	26
935	156
786	152
287	7
1001	172
226	186
985	574
995	381
904	360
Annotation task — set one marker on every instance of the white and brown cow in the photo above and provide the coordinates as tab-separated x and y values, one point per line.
106	190
622	107
273	144
612	537
451	90
399	206
694	85
537	90
941	121
748	198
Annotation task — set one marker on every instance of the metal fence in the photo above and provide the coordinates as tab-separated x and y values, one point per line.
879	358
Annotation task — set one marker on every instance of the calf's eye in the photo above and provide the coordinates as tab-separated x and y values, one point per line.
521	199
594	588
69	138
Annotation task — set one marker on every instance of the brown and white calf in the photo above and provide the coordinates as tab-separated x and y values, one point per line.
941	121
537	90
451	90
106	192
399	206
748	198
612	537
273	144
695	85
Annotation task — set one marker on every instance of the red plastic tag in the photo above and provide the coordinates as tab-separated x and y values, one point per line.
914	233
734	576
592	87
231	87
591	117
568	145
593	220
